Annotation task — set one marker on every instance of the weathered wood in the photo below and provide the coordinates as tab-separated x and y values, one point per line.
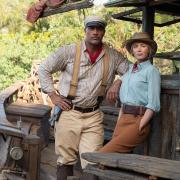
177	127
73	178
142	164
4	149
67	7
115	174
11	131
170	84
110	110
4	95
35	115
169	55
28	109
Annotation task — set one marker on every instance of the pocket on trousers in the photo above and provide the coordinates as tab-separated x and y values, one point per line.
142	131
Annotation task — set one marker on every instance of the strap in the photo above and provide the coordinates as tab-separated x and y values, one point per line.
105	74
74	81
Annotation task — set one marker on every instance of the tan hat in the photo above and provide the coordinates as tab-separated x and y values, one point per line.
94	21
141	37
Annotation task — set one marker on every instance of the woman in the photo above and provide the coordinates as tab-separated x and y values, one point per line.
139	95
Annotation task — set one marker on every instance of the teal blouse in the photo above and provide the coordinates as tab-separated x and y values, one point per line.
142	87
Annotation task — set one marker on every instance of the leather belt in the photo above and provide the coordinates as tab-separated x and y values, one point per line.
85	110
136	110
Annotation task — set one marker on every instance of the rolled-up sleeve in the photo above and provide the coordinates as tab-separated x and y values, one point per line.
122	64
54	63
154	86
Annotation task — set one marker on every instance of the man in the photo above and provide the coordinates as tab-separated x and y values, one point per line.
79	128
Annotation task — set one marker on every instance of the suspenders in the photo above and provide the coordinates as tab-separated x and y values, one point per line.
74	80
76	67
74	83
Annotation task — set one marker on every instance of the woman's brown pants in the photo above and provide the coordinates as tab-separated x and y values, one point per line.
126	135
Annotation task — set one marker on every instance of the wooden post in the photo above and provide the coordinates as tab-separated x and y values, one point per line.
148	21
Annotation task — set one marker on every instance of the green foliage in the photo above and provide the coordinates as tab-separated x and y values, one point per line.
21	43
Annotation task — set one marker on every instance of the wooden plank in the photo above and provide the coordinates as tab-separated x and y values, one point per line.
67	7
124	3
177	137
73	178
155	137
143	164
28	109
32	143
11	131
104	159
4	95
169	55
115	174
110	110
168	124
170	84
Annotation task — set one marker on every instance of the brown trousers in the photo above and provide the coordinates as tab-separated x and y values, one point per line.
126	135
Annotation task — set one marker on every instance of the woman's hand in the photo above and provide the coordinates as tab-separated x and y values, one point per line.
146	118
60	101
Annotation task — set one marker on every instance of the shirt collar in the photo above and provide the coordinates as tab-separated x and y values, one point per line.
84	46
144	64
102	52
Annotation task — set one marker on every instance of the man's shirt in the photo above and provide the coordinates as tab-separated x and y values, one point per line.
141	87
90	75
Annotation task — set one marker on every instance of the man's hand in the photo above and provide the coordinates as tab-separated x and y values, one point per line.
113	91
60	101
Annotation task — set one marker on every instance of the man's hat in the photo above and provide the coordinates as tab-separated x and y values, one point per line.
141	37
94	21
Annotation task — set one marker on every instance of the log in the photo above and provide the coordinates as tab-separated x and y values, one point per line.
67	7
114	174
163	168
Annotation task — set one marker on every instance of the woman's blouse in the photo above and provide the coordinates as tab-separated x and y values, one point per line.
142	87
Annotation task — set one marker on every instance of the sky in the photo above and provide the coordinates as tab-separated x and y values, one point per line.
99	1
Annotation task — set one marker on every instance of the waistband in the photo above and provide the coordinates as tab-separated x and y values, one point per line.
136	110
85	110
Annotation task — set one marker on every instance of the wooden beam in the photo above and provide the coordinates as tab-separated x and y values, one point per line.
168	9
138	21
127	19
137	3
155	3
169	55
4	97
148	20
163	168
114	174
169	23
67	7
12	131
125	3
132	11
